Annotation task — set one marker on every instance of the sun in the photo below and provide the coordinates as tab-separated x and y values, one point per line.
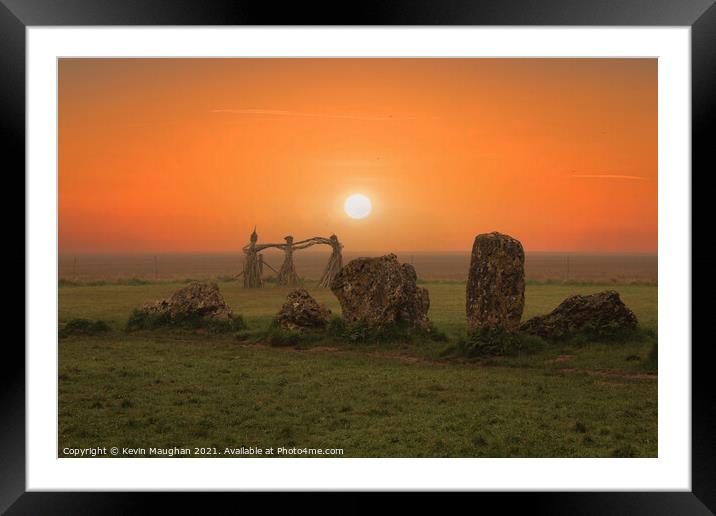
357	206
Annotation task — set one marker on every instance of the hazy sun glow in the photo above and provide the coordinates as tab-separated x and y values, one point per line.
357	206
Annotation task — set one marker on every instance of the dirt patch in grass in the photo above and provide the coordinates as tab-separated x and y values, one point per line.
613	374
405	359
391	355
412	359
610	384
560	358
322	349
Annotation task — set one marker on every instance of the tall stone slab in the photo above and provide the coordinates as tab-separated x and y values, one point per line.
496	283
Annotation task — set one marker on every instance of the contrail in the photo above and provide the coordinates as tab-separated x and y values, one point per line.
606	176
273	112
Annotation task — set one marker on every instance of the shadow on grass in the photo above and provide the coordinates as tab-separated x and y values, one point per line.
350	334
83	327
488	343
491	343
141	320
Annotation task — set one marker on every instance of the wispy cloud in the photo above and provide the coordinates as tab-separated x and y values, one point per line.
299	114
606	176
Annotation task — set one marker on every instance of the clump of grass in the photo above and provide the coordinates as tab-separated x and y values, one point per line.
83	327
610	332
435	334
246	335
494	342
142	320
652	359
233	323
336	327
607	333
364	333
281	337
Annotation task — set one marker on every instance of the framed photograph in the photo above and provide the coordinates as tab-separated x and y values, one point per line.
420	249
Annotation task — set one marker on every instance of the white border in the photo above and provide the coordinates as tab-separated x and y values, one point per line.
670	471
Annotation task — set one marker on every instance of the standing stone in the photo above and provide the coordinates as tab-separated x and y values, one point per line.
301	312
381	291
496	283
197	300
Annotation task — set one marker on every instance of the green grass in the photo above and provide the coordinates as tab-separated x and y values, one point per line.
373	399
82	327
142	320
497	342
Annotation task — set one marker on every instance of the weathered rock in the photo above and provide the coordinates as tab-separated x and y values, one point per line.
301	312
496	283
381	291
602	313
196	300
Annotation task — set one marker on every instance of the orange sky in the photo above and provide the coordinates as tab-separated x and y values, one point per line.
173	155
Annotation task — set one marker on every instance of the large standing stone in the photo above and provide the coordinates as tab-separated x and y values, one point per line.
603	313
301	312
381	291
196	300
496	283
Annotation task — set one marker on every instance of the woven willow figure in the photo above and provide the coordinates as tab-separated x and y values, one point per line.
254	263
252	267
287	273
335	262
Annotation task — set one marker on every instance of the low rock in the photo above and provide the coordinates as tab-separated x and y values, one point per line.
602	314
301	312
197	300
381	291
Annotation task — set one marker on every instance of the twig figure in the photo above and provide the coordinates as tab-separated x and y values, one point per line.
253	263
287	273
335	262
252	269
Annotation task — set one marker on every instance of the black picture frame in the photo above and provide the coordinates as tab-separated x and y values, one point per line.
700	15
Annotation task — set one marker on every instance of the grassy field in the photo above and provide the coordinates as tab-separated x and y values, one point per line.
181	389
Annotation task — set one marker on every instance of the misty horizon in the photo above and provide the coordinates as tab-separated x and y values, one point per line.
319	251
310	265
